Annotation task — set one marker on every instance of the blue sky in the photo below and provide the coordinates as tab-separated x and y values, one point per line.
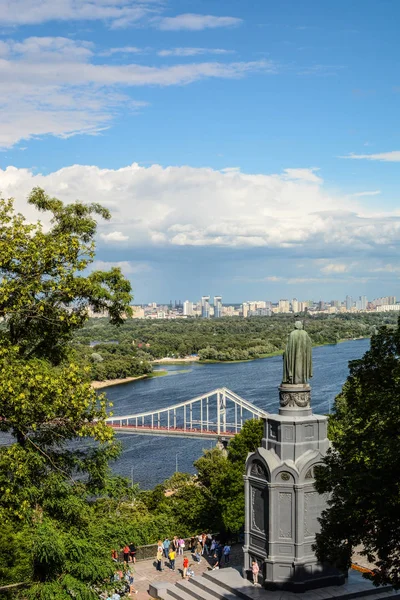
245	148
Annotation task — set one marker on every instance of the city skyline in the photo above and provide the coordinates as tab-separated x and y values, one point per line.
243	147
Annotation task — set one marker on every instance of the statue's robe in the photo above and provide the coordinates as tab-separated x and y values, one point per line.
297	361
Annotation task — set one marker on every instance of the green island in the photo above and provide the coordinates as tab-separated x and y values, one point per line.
129	351
62	509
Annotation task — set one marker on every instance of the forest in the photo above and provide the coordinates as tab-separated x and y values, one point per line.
113	352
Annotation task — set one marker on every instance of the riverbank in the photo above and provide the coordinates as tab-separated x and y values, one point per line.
175	361
99	385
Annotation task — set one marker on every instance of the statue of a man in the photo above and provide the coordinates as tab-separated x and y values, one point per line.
297	358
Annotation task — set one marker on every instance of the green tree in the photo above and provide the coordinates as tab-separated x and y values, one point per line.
222	476
361	472
60	445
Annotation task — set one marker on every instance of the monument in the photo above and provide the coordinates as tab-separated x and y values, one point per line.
282	505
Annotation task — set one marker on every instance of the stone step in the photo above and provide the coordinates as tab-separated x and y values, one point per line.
205	589
228	584
182	591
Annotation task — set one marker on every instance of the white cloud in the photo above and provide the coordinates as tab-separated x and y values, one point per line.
193	51
304	175
116	12
185	206
52	86
335	268
127	267
114	236
393	156
122	50
194	22
388	268
360	194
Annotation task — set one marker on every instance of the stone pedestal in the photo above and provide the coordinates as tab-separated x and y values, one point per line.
282	506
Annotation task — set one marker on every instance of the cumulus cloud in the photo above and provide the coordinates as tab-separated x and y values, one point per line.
116	12
193	51
195	22
114	236
185	206
393	156
53	86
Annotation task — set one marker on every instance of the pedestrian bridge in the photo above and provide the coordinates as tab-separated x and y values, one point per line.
219	413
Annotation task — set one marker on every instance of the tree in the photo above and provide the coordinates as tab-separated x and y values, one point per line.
222	476
48	473
361	471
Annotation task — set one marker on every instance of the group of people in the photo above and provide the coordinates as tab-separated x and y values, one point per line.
203	544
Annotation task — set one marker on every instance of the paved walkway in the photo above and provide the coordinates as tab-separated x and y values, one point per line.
145	572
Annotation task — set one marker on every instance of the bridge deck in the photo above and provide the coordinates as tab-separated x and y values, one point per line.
177	432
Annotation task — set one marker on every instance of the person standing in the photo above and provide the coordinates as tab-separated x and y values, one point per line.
255	570
227	553
181	545
172	555
166	545
159	559
127	553
199	549
185	567
132	551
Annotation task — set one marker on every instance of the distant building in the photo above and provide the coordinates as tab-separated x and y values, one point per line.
137	312
284	306
295	305
217	307
387	307
205	307
188	308
349	302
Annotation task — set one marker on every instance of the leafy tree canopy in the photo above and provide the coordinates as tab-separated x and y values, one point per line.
56	460
362	470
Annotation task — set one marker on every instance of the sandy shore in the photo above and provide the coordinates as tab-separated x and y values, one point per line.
186	359
98	385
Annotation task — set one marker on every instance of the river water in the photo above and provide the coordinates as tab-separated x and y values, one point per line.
151	459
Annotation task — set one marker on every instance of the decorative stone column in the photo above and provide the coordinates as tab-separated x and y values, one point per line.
282	506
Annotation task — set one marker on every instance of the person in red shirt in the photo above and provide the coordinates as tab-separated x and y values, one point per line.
185	567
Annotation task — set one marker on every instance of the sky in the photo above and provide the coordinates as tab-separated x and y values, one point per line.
245	148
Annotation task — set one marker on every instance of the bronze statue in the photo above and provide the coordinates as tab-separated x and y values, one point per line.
297	358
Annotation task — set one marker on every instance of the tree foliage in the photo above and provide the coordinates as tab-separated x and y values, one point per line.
362	470
225	339
56	458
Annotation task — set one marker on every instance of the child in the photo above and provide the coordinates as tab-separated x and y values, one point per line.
255	570
185	567
171	557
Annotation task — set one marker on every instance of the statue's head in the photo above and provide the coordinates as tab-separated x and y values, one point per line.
298	325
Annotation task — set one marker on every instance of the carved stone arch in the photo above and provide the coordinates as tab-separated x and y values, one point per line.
309	471
258	469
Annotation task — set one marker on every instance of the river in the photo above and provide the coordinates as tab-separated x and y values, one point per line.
150	459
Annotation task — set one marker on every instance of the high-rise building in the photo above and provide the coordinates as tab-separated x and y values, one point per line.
284	306
217	306
188	308
245	309
205	307
295	305
349	302
363	302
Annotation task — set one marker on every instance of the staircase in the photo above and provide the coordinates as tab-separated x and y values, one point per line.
228	584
